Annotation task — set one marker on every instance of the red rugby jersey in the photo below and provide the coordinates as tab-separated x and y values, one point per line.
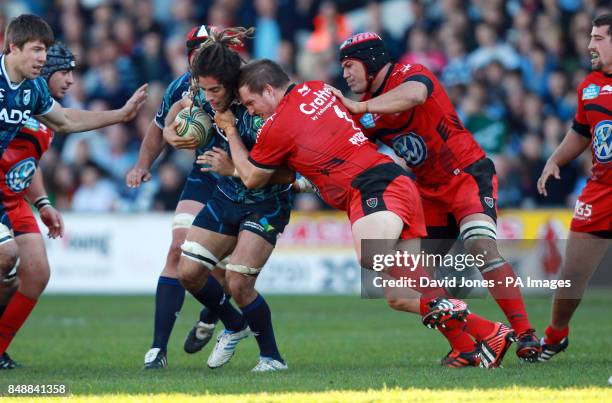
313	133
429	137
20	160
594	121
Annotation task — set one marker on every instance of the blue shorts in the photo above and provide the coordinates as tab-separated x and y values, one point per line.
267	218
199	186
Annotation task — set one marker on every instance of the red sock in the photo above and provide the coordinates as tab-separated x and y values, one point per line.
423	306
508	298
554	336
458	339
16	313
477	326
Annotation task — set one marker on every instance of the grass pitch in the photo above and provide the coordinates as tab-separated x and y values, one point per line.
337	348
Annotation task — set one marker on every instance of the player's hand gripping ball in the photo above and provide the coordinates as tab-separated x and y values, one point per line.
194	122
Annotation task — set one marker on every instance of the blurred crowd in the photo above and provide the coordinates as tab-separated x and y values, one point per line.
511	68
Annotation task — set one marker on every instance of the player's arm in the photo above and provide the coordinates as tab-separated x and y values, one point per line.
36	189
36	194
170	125
217	160
570	148
253	177
401	98
69	120
152	145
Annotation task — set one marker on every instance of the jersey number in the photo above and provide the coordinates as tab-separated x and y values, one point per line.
583	210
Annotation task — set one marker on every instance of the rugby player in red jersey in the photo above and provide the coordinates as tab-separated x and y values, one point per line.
591	227
406	108
308	130
20	179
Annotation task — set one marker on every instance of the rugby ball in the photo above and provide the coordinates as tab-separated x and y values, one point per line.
194	122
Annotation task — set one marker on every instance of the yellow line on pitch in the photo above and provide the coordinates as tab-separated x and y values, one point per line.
514	394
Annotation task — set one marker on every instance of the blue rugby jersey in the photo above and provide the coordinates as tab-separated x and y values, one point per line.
19	102
232	187
247	127
176	90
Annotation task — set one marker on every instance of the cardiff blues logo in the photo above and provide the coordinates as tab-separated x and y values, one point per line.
411	147
590	92
602	141
26	96
19	177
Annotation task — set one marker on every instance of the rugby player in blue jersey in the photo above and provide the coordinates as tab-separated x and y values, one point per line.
199	187
21	181
23	94
236	220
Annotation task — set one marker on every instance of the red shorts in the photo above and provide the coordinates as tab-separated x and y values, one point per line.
593	211
472	191
387	187
22	219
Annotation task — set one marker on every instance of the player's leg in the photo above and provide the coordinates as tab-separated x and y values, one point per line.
203	330
12	310
251	253
33	275
475	210
9	259
440	239
589	240
261	225
583	256
200	253
170	294
8	287
388	225
9	263
212	237
442	233
198	189
402	200
478	231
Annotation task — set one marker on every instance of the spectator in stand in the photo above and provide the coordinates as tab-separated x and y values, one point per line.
96	194
422	50
170	186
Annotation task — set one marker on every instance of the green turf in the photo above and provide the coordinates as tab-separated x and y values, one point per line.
96	345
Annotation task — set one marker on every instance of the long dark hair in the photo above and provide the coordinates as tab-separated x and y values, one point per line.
217	58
